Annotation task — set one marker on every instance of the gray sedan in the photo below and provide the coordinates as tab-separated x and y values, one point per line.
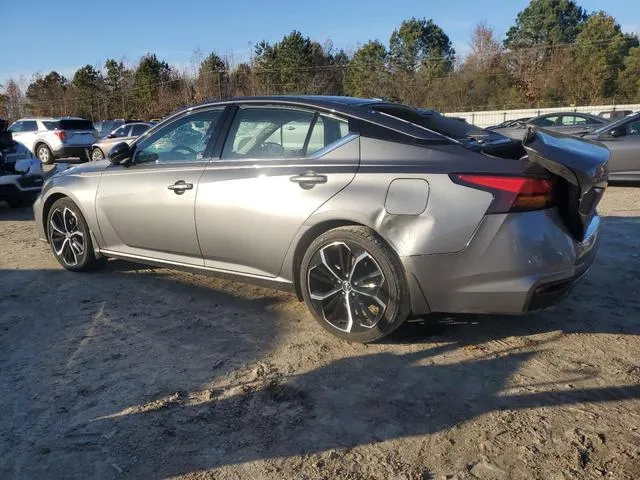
622	138
570	123
369	211
126	133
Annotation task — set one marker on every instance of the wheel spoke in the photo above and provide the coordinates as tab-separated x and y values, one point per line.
60	250
69	227
324	296
347	304
323	257
373	297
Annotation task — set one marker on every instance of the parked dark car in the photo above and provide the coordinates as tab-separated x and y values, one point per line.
571	123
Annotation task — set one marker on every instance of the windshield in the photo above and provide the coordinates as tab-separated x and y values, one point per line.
608	126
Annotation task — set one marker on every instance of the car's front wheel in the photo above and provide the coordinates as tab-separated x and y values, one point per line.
69	236
354	284
97	154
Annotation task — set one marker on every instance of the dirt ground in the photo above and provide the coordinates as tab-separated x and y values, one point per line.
131	372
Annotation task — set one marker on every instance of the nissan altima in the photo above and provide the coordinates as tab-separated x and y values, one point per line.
369	211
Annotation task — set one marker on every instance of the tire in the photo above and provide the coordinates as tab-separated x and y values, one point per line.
352	267
44	154
67	233
97	154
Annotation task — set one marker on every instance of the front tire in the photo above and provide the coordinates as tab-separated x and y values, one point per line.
44	154
69	236
354	284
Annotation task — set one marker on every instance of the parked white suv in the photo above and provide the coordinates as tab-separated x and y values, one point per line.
52	138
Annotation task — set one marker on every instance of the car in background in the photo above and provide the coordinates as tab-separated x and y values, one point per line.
21	175
125	133
622	138
511	123
612	115
570	123
52	138
362	209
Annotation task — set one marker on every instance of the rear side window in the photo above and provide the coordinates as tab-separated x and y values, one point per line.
29	126
49	125
73	124
327	130
268	132
139	130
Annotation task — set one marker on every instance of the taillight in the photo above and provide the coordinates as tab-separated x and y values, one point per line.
511	194
61	135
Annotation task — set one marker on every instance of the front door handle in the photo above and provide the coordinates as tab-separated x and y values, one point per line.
308	179
180	186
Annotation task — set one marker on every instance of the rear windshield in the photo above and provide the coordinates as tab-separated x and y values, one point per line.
434	121
69	124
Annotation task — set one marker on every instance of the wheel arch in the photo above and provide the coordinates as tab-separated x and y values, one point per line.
311	234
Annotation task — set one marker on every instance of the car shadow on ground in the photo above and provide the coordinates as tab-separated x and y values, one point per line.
164	418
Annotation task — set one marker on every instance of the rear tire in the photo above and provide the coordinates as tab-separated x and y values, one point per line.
97	154
44	154
69	236
354	284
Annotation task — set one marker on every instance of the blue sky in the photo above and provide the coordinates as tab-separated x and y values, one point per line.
80	32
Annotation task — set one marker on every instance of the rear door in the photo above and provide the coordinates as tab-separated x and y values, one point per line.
278	165
78	132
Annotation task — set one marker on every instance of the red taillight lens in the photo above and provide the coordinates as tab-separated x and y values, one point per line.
511	194
61	135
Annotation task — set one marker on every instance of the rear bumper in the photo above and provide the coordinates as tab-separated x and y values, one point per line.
75	151
514	264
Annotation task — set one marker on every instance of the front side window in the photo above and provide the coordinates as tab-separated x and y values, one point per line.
634	128
183	140
16	127
545	122
121	132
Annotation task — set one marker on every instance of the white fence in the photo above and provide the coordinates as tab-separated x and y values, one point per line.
494	117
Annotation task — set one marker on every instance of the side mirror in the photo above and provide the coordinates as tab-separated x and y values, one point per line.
111	135
618	132
120	153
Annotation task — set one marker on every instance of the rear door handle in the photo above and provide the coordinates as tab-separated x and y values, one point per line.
180	186
308	179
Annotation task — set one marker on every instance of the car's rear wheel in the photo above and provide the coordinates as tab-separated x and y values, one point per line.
354	284
97	154
44	154
69	236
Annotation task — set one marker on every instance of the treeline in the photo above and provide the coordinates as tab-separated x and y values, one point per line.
554	54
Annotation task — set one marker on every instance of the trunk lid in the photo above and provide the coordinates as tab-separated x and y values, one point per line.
583	167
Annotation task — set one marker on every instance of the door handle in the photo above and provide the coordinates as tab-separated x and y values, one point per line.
308	179
180	186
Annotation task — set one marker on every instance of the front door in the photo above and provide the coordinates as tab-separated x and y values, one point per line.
279	164
625	150
146	209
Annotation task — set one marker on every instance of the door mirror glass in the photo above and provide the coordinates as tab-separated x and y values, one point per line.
120	153
618	132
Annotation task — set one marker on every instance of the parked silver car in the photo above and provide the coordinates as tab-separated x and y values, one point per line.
356	205
570	123
622	138
125	133
52	138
